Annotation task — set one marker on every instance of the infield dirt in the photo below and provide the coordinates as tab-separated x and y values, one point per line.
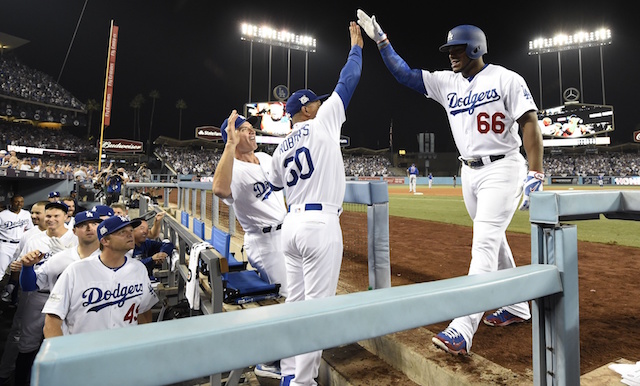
609	290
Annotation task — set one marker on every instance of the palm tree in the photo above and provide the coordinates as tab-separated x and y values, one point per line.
180	105
154	94
92	106
136	104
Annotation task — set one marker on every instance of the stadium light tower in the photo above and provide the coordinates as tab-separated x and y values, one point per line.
282	38
563	42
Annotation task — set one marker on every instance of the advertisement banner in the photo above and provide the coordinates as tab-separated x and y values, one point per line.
111	69
122	146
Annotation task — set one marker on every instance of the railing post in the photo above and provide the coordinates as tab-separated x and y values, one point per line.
555	318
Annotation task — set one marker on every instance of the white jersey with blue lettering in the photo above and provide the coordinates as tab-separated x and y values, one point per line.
483	110
89	296
48	272
310	156
255	204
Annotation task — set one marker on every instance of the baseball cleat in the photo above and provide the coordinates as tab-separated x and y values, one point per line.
451	341
501	318
271	370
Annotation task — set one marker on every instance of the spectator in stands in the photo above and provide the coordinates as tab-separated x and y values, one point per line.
114	187
150	252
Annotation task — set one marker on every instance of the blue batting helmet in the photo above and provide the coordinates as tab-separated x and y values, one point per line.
468	35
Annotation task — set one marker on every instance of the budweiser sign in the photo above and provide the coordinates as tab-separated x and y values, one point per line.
209	133
121	145
636	136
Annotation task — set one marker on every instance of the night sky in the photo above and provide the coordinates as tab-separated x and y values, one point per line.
192	50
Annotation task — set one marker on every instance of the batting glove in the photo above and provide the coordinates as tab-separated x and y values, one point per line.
371	27
533	183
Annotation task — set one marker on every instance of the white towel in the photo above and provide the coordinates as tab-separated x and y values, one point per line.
191	291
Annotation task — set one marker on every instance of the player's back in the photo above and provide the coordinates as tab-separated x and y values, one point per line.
308	163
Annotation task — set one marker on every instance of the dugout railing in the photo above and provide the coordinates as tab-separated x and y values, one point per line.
209	344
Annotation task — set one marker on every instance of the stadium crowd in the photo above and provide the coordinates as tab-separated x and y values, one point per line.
201	161
19	81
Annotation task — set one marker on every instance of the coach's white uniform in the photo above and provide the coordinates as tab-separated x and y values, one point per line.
313	179
482	113
89	296
12	227
32	318
260	211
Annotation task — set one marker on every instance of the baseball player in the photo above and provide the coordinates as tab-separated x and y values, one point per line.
55	239
412	172
486	105
430	180
14	221
105	292
11	293
308	165
240	180
150	252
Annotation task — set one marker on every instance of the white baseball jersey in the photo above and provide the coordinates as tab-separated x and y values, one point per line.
46	245
13	225
48	272
310	155
28	235
482	111
255	204
89	296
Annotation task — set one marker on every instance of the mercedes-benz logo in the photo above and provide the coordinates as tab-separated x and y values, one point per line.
571	94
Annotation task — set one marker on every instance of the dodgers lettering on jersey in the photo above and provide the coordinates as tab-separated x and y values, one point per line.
482	111
255	203
95	298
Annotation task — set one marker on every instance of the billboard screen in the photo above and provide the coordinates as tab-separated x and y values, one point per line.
273	120
577	120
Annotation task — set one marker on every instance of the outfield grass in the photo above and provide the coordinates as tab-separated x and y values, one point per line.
444	204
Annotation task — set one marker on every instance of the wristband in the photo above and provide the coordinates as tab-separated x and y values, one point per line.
536	175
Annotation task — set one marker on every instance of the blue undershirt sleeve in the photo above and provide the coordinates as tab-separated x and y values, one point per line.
350	75
28	279
400	70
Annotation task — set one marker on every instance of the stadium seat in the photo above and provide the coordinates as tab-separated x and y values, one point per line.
221	241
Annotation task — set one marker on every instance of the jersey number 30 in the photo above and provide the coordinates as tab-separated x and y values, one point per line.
493	123
302	155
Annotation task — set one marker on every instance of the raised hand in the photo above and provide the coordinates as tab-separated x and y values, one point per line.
371	26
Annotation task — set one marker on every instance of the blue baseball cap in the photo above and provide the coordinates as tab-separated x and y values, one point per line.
113	224
239	121
57	205
86	216
54	194
300	98
103	210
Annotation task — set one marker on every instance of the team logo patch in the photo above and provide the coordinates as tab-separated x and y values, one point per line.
304	99
103	231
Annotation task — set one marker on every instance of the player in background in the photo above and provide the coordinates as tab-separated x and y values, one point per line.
77	297
486	104
55	239
308	165
430	180
149	251
412	173
14	221
241	180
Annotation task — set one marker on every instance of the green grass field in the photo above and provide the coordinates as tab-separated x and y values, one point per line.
444	204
